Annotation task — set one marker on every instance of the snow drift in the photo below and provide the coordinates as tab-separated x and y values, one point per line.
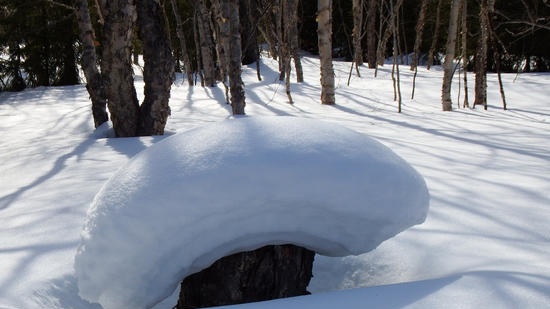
233	186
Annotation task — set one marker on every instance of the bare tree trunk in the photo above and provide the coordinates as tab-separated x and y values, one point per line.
158	73
324	34
357	32
267	273
206	42
420	24
116	65
236	86
285	55
294	39
435	37
466	102
481	57
94	83
393	11
371	32
395	68
196	39
249	31
448	65
222	29
183	44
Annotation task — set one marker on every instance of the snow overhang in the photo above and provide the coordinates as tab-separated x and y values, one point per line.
238	185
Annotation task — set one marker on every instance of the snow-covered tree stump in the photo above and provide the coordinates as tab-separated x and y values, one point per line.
266	273
195	198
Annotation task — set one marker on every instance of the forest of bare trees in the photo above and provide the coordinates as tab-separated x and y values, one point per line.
47	42
209	40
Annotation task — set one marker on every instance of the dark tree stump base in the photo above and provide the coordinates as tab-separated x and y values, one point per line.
267	273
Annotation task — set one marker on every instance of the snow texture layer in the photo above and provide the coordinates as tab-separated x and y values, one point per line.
197	196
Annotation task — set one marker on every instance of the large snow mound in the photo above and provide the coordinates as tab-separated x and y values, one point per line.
237	185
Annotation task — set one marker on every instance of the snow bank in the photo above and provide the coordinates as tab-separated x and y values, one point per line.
233	186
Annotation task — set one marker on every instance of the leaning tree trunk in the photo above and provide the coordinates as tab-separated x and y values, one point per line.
421	22
116	65
94	83
158	73
267	273
324	35
448	65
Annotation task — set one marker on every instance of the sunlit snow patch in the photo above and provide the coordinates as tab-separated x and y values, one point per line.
237	185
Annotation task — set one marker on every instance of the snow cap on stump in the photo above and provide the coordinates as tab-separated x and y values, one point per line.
235	186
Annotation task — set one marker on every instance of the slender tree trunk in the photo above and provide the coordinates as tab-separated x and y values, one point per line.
222	29
420	24
196	39
249	34
466	102
372	8
435	37
324	34
481	57
357	31
493	38
236	86
267	273
393	11
285	56
294	39
116	65
206	43
158	73
183	44
94	83
395	69
448	65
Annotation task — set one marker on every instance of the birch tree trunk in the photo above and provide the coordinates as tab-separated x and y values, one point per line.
435	37
249	34
357	32
94	82
183	44
236	86
466	102
284	58
206	42
448	65
116	65
324	35
421	22
481	57
372	7
294	39
158	73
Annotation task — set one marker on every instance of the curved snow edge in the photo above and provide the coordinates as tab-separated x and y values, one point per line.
234	186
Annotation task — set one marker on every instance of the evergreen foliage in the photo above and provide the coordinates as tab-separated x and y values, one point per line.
39	39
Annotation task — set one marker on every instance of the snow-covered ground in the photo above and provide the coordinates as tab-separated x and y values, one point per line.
485	243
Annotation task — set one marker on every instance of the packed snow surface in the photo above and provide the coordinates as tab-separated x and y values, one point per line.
234	186
485	242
